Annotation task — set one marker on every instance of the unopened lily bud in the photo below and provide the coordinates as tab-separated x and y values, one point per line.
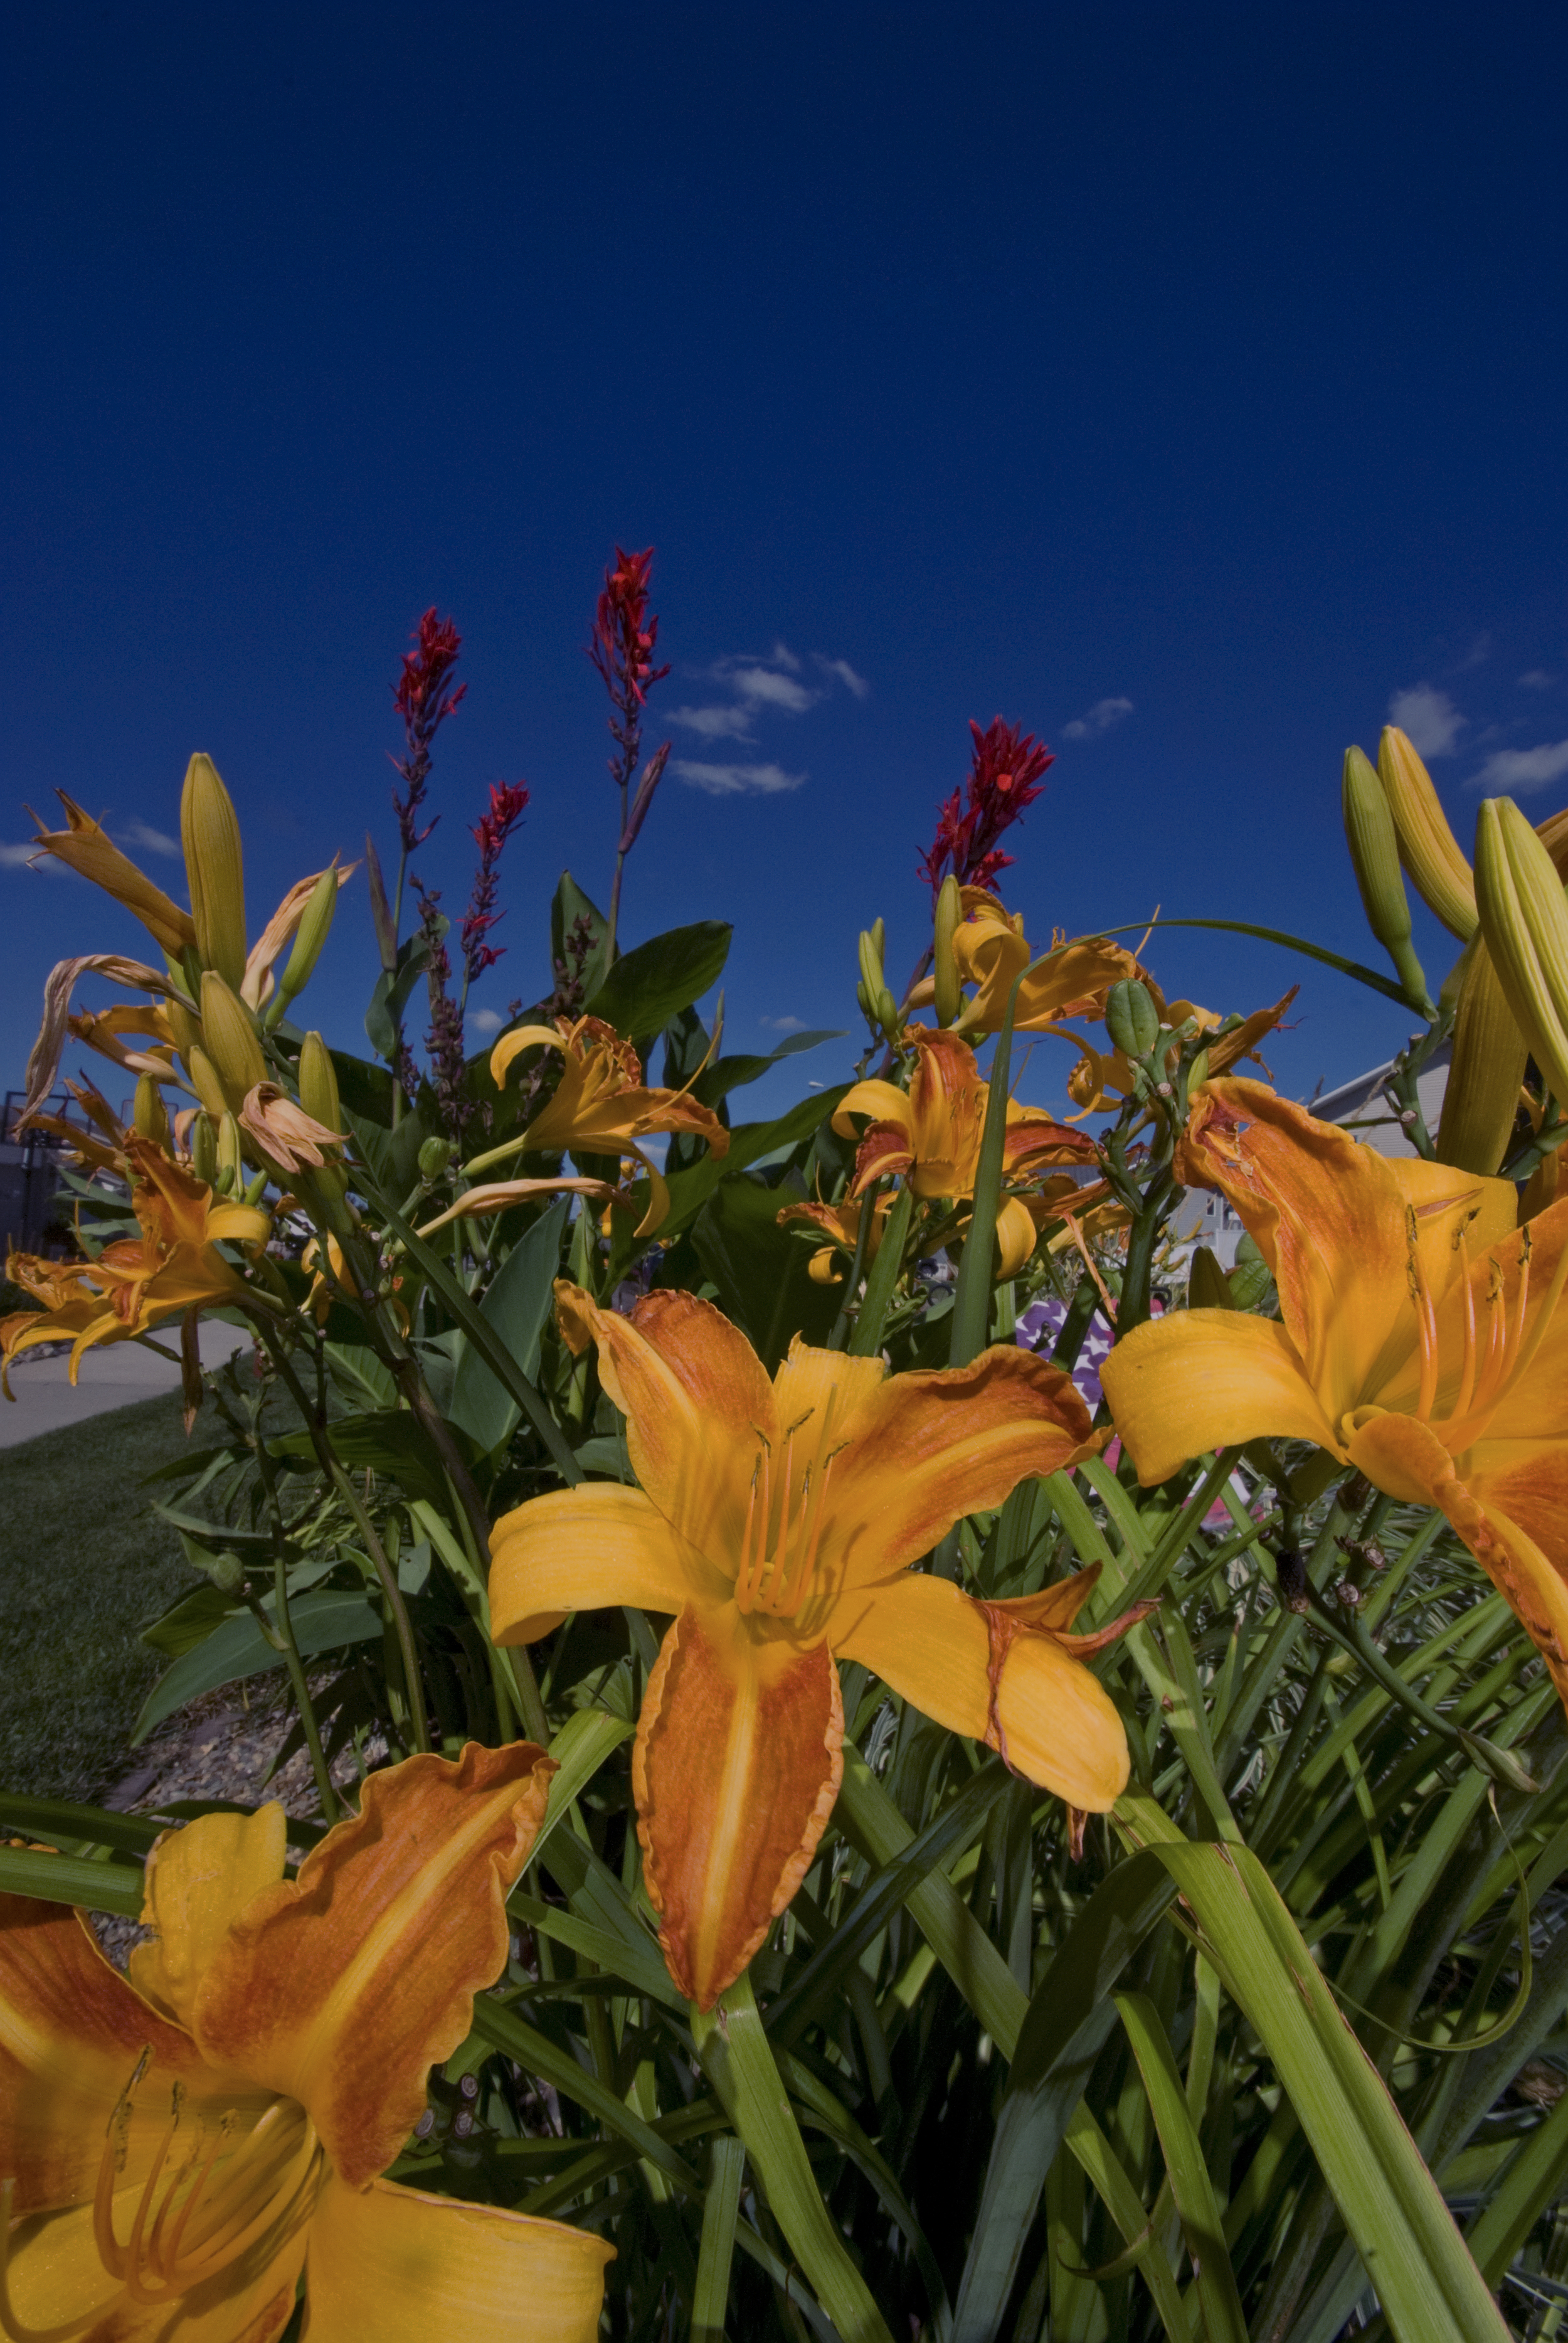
318	1079
215	869
864	997
1481	1096
148	1113
204	1149
1427	847
1208	1287
434	1157
314	930
1524	920
949	912
1131	1019
1198	1073
227	1573
206	1085
880	940
186	1029
230	1153
1374	842
871	975
229	1039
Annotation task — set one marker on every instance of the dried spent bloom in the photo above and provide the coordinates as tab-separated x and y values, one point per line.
285	1133
1003	783
490	834
423	700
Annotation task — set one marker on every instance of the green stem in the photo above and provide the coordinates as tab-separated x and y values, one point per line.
971	1300
284	1635
866	1339
840	1333
391	1593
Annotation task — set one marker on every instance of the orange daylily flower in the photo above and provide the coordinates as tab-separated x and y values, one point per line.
179	2146
777	1521
601	1105
841	1222
1419	1340
173	1267
1102	1079
990	949
931	1132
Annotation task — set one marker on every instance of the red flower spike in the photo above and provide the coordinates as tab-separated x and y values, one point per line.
1004	782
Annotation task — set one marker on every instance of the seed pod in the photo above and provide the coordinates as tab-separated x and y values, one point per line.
1427	847
1131	1019
1524	920
1487	1071
949	912
434	1155
215	869
230	1155
148	1113
318	1086
1374	843
204	1149
227	1573
228	1037
314	930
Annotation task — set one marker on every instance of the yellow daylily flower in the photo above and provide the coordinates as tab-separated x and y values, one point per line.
1102	1079
931	1136
176	2148
86	848
601	1105
841	1222
1419	1340
173	1267
989	950
777	1521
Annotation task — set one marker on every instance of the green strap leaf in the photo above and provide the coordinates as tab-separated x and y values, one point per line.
726	2164
1353	968
866	1340
1218	2299
735	2054
69	1879
509	2033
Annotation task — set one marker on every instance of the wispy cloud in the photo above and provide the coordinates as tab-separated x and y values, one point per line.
12	857
1478	654
736	781
1535	678
136	832
1515	772
486	1020
1429	718
783	1024
759	687
1100	719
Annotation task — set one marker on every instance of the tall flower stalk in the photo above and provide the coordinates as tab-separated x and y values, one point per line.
624	633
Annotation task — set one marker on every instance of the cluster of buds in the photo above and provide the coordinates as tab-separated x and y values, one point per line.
423	700
874	991
490	834
1004	781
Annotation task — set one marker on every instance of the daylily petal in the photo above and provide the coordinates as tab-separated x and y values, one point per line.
883	1102
343	1986
499	1195
1408	1460
1016	1236
391	2264
581	1549
512	1045
697	1404
1011	1686
1203	1379
198	1881
885	1152
1528	1480
71	2032
55	2280
737	1764
935	1445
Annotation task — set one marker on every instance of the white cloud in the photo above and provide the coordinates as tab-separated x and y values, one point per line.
846	675
1513	770
714	723
1430	718
1100	719
487	1021
784	1024
1536	679
12	857
736	781
137	832
770	687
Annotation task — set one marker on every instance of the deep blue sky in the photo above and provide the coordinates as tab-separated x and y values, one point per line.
1202	366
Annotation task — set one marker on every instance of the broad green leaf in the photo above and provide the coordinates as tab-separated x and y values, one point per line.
517	1306
726	1074
738	2063
390	995
189	1621
579	1749
388	1441
762	1271
238	1649
654	980
571	909
748	1143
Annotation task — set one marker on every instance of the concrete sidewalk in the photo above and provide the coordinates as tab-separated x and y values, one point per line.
113	1374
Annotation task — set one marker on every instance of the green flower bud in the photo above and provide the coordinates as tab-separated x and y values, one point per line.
1131	1019
312	934
227	1573
879	940
148	1114
1524	918
1484	1078
1427	847
871	975
230	1156
1208	1287
1374	842
204	1149
318	1079
215	869
229	1039
434	1157
949	912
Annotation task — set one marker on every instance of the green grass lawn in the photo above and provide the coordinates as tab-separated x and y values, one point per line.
83	1566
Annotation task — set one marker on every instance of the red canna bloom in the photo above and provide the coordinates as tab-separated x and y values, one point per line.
423	699
489	833
1004	782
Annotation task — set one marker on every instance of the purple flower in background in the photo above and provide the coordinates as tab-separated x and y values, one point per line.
1041	1324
